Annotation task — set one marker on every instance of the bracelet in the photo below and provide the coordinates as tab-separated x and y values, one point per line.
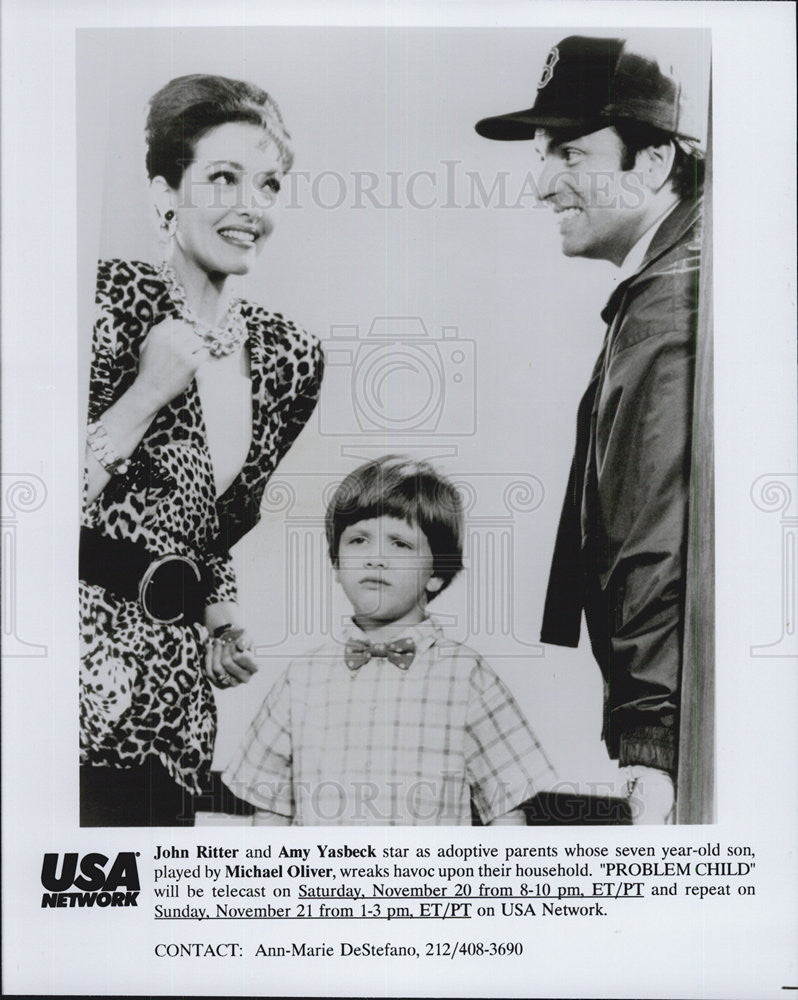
103	449
220	630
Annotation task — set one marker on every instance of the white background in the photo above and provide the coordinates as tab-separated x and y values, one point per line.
407	104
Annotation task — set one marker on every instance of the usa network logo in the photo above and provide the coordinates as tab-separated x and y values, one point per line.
98	884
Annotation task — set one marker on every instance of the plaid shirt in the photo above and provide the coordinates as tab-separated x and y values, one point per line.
381	745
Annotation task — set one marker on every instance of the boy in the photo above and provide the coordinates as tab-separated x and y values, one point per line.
398	725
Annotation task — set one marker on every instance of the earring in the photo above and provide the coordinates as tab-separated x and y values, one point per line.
169	225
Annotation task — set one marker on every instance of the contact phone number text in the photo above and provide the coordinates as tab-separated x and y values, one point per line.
475	949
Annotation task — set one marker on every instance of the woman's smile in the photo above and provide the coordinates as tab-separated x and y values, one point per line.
226	200
239	236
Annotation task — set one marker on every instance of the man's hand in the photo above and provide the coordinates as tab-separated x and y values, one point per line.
651	795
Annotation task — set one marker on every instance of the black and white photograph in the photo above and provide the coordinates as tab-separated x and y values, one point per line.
405	438
196	395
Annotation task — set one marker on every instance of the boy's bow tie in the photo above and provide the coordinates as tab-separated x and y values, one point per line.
359	651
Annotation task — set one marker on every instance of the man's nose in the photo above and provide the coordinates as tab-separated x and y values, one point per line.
547	177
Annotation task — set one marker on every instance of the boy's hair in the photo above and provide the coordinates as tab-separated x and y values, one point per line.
415	492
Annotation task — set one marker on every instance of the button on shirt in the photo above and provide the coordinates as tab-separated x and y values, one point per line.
384	746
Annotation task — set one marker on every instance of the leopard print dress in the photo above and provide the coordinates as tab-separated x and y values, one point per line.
143	688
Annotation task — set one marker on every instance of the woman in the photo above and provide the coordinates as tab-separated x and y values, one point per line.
194	398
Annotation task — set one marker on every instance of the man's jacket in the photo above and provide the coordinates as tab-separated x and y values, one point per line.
621	543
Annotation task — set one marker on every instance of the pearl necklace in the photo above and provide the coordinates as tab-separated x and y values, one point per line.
221	340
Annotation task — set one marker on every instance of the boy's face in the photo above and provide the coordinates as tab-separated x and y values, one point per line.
385	569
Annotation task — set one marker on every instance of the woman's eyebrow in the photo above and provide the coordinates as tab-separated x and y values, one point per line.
225	163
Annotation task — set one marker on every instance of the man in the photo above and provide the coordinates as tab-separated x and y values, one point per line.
615	165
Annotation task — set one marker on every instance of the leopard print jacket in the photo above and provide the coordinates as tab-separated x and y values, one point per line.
143	687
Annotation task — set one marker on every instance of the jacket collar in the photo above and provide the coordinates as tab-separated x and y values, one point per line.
676	225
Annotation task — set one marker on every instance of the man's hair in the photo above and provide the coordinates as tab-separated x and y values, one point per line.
687	173
396	486
189	107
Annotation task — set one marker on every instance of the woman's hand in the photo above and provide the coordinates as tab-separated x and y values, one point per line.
170	355
169	358
229	660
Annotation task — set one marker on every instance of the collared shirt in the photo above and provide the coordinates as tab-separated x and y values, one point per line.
384	746
633	260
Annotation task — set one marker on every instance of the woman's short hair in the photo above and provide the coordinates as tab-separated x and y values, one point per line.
190	106
411	491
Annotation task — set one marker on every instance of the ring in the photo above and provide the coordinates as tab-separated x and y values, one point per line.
224	681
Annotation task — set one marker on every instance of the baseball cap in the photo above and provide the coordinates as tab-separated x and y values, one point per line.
587	83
